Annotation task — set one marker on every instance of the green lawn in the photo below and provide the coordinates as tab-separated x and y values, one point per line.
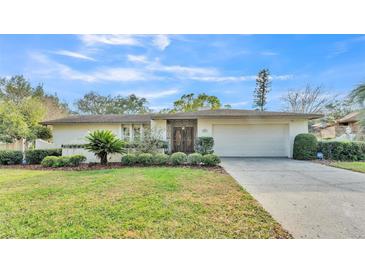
355	166
129	203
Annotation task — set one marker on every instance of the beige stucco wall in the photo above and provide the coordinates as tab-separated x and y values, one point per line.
76	133
205	127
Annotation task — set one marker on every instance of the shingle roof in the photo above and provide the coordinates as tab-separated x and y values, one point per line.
146	118
351	117
233	113
139	118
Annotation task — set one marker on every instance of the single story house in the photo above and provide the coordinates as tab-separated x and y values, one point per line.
350	123
351	120
236	133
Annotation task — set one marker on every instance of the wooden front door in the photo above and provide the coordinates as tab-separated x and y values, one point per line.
183	139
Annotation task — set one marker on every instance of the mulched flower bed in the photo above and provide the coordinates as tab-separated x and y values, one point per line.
95	166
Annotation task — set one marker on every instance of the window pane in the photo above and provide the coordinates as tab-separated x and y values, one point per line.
137	133
126	133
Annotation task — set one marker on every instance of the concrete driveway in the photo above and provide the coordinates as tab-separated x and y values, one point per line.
310	200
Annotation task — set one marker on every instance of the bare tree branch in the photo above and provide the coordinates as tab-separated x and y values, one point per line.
309	100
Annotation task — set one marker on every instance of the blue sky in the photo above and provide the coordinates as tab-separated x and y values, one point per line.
163	67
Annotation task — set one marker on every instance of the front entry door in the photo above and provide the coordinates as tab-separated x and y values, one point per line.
183	139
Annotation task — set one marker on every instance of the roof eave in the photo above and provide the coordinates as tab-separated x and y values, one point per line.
45	123
304	116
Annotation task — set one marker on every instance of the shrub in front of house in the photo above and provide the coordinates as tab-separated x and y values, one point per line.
194	158
11	157
63	161
305	147
160	159
204	145
211	160
49	161
76	160
35	156
342	150
102	143
145	159
129	159
178	158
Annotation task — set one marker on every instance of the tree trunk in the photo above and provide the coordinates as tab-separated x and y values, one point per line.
104	159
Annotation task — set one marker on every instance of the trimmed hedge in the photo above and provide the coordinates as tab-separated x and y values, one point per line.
76	160
11	157
178	158
129	159
305	147
211	159
342	150
145	159
160	159
35	156
194	158
63	161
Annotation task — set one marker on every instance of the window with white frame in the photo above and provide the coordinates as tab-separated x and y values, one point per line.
125	132
136	132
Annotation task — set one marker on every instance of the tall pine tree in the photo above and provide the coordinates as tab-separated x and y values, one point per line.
263	86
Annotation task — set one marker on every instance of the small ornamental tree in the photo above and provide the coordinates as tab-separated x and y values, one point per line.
204	145
103	142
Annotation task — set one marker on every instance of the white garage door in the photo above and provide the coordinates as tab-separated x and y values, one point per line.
251	140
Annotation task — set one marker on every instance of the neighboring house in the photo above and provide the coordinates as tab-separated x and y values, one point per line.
236	133
351	120
338	129
16	145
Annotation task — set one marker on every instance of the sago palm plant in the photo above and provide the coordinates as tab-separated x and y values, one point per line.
103	142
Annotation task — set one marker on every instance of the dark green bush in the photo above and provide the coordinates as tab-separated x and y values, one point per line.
35	156
160	159
145	159
194	159
178	158
342	151
76	160
305	147
211	159
129	159
204	145
11	157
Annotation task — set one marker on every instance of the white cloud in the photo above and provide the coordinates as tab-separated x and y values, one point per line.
236	104
161	41
151	94
344	45
109	39
238	78
179	71
137	58
50	68
73	54
119	75
224	78
182	71
282	77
